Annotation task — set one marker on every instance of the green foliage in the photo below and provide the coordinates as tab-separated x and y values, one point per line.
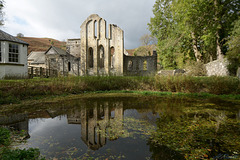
25	154
5	136
194	68
13	91
198	133
192	29
233	53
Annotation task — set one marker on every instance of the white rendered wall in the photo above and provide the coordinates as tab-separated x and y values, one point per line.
13	69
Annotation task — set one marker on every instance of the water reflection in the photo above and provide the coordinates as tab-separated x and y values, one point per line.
123	127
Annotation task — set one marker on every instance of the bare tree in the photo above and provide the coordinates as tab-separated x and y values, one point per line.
1	12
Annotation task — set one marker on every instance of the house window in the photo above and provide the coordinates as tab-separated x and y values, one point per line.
13	53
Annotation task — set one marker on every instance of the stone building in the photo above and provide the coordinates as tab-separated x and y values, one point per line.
36	59
13	56
61	61
101	51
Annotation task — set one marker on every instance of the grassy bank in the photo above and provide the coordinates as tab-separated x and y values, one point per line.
7	153
13	91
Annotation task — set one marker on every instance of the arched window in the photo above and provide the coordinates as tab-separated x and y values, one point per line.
90	58
130	65
145	65
101	56
95	29
112	57
69	66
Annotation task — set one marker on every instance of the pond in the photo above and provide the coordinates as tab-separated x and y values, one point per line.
130	128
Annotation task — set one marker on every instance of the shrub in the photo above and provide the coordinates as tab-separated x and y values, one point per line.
25	154
5	136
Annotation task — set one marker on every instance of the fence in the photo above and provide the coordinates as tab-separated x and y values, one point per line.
44	72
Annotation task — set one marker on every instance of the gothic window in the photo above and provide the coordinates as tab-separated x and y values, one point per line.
112	56
13	53
101	54
95	29
90	58
130	65
69	66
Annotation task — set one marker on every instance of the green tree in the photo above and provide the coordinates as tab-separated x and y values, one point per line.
162	26
192	29
233	53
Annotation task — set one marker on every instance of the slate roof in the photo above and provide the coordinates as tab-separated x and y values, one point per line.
37	57
58	50
7	37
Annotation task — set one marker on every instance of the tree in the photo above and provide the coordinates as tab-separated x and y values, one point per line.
192	29
20	35
1	12
233	53
148	43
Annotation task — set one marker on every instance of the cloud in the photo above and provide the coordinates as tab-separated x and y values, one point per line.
61	19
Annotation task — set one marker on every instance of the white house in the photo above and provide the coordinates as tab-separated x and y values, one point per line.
13	56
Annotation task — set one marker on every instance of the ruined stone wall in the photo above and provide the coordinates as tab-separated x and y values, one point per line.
96	57
140	66
217	68
63	65
74	47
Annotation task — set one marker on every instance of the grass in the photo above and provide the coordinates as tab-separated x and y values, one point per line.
14	91
7	153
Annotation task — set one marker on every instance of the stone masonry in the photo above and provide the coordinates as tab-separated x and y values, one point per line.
217	68
100	50
101	54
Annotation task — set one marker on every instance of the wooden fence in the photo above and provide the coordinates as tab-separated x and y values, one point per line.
44	72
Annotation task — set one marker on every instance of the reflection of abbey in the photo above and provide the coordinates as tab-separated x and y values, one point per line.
106	117
99	51
100	117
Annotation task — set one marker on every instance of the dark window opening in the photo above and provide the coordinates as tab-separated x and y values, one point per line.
69	66
90	58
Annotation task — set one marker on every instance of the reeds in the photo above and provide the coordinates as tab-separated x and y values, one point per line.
13	91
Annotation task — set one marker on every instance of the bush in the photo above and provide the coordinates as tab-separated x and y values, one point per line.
195	69
5	136
25	154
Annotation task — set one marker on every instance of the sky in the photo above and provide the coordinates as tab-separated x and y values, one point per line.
61	19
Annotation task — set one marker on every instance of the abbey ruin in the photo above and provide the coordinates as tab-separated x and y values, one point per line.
98	51
102	52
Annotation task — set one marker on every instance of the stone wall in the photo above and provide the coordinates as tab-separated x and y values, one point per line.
74	47
99	45
217	68
140	65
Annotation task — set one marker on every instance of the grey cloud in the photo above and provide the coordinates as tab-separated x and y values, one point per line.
62	18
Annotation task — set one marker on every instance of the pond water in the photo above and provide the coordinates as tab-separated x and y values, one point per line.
130	128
